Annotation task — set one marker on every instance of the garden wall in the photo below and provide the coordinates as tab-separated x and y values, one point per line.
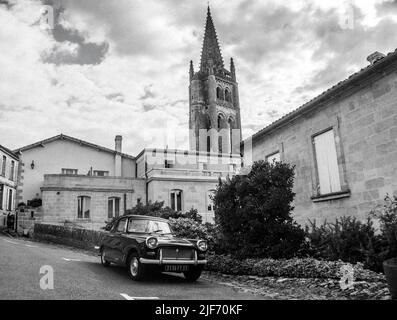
71	236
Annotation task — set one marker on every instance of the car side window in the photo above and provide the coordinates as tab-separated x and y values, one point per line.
137	225
121	225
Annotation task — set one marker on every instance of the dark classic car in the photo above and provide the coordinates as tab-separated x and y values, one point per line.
145	244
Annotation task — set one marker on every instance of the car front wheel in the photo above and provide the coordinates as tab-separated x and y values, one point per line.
104	262
193	274
136	270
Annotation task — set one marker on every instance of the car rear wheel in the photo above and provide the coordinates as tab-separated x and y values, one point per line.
136	270
193	274
104	262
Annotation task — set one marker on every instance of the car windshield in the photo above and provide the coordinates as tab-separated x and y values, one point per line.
148	226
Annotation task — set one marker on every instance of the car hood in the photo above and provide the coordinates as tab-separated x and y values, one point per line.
165	240
173	240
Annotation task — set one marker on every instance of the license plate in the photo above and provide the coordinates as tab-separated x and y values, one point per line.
171	268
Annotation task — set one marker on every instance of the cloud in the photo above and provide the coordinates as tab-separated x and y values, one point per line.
121	67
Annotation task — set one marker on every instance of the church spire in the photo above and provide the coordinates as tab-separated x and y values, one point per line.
211	56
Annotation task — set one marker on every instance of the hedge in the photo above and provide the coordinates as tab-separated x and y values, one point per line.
288	268
72	236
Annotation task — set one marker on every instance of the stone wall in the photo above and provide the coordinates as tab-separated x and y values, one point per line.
72	236
365	128
60	196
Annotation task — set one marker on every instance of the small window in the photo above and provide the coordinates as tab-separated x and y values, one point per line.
176	200
327	163
210	201
69	171
12	170
3	166
275	157
113	207
100	173
208	144
9	204
83	207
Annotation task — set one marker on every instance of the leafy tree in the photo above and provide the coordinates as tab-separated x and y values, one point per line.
254	213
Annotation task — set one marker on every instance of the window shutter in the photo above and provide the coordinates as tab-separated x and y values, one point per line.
327	163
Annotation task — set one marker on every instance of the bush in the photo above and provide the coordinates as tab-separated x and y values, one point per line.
387	215
288	268
191	229
254	213
347	239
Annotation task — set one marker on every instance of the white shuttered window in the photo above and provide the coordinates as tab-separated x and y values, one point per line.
327	163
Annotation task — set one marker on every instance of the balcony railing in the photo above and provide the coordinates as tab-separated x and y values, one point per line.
187	173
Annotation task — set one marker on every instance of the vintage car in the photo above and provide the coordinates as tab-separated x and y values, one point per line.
146	244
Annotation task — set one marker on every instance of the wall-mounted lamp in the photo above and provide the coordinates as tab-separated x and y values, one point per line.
32	164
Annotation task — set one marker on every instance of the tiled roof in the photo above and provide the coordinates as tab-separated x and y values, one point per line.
65	137
330	93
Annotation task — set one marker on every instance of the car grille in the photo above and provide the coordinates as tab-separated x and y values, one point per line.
177	254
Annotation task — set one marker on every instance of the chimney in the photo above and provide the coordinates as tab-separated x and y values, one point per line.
118	143
117	158
375	57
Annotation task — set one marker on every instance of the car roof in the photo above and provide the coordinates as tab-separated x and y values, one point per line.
141	217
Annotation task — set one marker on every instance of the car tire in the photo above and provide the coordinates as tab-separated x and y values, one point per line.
193	274
104	262
136	270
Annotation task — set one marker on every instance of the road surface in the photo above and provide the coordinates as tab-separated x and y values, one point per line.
78	275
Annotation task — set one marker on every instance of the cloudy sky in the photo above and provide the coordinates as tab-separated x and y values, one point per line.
121	66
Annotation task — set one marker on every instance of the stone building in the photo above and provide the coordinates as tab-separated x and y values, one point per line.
214	108
78	180
343	144
9	164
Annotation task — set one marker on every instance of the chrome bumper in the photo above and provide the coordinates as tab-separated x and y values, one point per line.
162	261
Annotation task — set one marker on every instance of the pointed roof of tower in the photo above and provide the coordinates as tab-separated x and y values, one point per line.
211	49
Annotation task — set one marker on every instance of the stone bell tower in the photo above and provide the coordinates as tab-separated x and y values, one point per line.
214	108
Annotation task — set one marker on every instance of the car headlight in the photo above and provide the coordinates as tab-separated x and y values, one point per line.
152	242
202	245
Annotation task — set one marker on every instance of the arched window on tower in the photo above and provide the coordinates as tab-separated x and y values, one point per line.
219	93
208	144
228	95
231	128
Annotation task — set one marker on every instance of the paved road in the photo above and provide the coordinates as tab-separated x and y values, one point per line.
79	275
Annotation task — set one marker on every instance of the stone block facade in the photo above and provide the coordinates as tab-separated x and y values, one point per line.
60	195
